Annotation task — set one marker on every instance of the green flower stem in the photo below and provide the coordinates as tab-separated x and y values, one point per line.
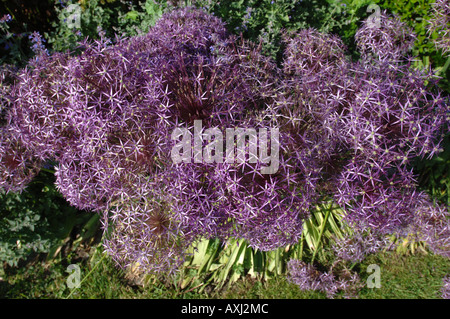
85	277
353	265
327	214
445	67
47	170
301	246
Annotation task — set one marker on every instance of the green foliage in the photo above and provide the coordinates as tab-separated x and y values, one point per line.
27	16
347	17
18	234
36	221
324	225
13	47
75	22
140	19
434	174
408	245
217	264
80	19
405	276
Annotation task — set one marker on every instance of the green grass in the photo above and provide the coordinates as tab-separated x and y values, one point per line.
407	277
416	276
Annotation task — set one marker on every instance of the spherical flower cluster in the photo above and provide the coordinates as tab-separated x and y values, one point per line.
144	235
355	247
432	225
18	165
310	52
307	277
384	38
353	128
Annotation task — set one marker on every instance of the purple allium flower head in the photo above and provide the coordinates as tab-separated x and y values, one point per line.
354	127
304	275
310	52
357	246
307	277
144	236
389	41
18	165
432	225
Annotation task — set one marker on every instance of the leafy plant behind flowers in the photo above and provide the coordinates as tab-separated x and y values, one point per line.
77	20
37	221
